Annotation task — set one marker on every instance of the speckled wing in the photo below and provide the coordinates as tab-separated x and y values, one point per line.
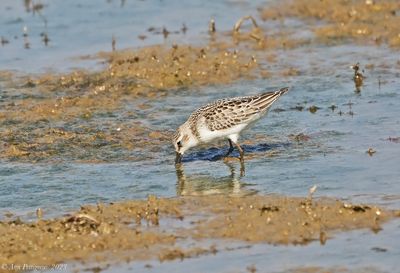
227	113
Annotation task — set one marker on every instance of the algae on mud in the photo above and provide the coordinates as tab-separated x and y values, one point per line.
150	228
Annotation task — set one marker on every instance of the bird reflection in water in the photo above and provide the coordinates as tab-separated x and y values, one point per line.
200	184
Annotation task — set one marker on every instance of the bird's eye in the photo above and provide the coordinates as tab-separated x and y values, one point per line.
179	143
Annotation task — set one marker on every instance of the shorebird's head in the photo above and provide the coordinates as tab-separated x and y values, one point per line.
183	140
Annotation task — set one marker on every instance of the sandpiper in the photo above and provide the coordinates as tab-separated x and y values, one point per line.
224	118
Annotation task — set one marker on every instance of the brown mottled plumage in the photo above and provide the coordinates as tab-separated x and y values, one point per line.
223	118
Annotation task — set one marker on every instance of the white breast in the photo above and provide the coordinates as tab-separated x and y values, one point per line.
206	135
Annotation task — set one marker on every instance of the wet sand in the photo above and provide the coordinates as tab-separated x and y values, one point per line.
55	116
157	228
72	101
333	22
58	117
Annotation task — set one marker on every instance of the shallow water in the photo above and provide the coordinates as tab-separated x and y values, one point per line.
77	28
334	157
355	251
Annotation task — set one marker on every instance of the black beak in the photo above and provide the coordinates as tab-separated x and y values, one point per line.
178	158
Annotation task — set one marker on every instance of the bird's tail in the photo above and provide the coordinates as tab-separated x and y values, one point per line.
264	101
282	91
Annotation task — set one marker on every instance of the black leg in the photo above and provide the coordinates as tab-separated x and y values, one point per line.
230	148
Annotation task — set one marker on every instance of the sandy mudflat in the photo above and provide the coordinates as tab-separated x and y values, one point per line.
157	227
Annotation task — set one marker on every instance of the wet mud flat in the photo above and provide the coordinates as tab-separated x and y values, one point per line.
88	116
97	117
157	228
338	21
56	115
